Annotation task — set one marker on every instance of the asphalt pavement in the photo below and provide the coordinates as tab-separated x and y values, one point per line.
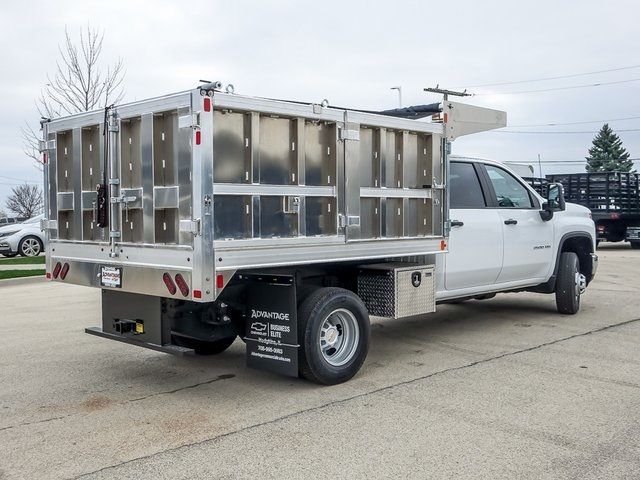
501	388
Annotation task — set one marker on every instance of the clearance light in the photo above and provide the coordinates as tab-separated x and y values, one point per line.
64	271
168	281
219	281
56	270
182	285
207	104
198	137
197	294
48	276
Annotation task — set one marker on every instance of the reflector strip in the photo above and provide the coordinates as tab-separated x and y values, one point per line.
65	270
197	294
56	270
168	281
182	285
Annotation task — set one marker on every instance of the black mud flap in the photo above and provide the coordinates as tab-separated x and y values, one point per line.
271	323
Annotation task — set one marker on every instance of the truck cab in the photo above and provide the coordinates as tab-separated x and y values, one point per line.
504	236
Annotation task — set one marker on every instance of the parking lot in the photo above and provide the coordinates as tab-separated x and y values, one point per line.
504	388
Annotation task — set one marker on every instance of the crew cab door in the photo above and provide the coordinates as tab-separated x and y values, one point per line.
528	239
475	240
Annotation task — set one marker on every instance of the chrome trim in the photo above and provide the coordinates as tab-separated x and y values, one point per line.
277	190
370	192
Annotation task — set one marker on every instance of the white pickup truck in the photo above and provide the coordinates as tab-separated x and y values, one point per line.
505	237
205	215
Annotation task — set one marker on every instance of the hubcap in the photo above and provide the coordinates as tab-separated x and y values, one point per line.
30	247
339	337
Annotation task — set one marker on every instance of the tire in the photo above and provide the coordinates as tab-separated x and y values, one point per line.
203	347
333	333
30	246
635	245
568	284
9	255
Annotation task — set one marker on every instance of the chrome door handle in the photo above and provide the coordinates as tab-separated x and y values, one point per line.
511	221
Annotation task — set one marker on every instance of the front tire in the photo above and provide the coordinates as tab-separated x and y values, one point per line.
333	333
569	285
30	246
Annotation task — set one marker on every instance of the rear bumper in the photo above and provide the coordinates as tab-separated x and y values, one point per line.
172	349
633	235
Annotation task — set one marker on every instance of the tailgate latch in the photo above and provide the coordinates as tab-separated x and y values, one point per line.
190	226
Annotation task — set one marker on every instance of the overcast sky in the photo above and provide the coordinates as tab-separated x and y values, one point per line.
350	53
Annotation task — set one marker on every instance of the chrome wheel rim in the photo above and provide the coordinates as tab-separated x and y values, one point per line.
339	337
581	283
31	247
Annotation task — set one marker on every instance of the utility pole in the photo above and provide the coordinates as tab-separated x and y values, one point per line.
399	89
540	165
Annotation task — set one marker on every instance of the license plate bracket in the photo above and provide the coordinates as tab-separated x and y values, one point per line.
111	276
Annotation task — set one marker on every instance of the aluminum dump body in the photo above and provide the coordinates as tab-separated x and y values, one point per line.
204	184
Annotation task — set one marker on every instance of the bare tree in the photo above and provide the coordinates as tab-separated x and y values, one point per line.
79	84
25	200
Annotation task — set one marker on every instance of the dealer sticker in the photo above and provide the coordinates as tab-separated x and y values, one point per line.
111	277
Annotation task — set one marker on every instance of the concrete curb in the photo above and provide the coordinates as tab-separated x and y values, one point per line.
11	282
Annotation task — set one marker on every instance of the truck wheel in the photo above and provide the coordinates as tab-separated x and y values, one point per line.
635	245
203	347
333	333
570	285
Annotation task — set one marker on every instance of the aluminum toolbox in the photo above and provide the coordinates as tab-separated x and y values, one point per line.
397	290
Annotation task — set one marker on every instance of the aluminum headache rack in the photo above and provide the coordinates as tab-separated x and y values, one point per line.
197	185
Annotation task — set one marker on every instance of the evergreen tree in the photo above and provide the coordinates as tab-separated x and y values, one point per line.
607	153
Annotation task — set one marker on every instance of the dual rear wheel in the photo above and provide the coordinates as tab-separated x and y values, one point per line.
333	334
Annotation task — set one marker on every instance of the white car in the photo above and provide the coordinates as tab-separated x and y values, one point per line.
24	238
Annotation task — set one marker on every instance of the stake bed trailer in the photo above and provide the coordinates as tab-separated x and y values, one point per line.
612	197
205	215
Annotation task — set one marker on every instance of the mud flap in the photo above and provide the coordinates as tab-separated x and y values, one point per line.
271	323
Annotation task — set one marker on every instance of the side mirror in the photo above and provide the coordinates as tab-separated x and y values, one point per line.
555	201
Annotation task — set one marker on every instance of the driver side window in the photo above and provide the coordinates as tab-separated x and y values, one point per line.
510	192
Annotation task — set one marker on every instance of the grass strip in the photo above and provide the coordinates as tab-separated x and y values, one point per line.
6	274
22	260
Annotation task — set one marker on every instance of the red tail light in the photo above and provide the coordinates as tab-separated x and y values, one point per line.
168	281
207	104
219	281
198	137
56	270
197	294
64	271
182	285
